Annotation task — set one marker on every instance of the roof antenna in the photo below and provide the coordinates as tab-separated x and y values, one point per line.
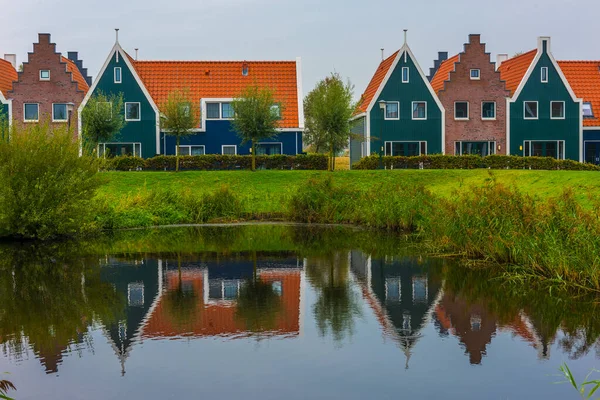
117	34
136	54
382	55
405	34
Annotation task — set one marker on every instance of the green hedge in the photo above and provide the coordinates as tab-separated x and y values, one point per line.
438	161
216	162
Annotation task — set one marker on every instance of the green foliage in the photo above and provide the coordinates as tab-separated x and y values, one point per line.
5	386
102	119
328	109
4	126
320	201
47	188
594	385
254	117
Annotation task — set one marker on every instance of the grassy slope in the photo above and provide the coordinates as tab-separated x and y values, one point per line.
266	191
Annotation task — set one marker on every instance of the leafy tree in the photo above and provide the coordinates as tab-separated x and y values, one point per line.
179	118
328	109
102	119
256	116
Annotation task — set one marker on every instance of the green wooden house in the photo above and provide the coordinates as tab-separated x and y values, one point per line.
544	116
8	74
399	113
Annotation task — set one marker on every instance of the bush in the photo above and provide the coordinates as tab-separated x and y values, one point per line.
319	201
47	188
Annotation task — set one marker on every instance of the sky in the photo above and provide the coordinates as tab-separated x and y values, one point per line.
330	35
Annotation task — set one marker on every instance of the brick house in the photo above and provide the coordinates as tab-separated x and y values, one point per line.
471	90
49	88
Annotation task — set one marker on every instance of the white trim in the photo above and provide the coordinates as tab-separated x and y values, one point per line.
564	110
558	155
300	93
404	141
407	69
468	111
542	69
203	110
507	150
495	111
31	120
139	118
115	75
228	145
117	143
279	143
358	116
537	109
190	146
45	79
591	128
66	109
413	110
385	117
493	142
478	78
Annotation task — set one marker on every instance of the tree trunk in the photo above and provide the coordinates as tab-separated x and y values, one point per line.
253	155
177	155
330	166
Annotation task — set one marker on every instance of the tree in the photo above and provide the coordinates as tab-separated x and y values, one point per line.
256	116
328	109
102	119
179	117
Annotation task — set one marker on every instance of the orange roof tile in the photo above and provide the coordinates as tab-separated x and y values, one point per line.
372	87
7	76
514	69
222	79
443	73
76	74
584	78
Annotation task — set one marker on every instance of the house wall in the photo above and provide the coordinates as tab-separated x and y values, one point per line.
406	129
59	89
544	128
460	87
357	127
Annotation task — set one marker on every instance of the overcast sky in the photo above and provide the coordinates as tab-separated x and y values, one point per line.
330	35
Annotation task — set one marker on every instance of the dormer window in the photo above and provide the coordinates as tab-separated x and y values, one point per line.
588	112
245	69
276	111
475	74
405	75
544	74
118	76
44	74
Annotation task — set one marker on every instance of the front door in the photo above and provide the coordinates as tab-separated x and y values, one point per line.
592	152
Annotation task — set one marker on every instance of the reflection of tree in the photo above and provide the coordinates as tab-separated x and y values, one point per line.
337	305
182	302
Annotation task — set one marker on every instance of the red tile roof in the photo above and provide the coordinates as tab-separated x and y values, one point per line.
584	78
514	69
373	86
222	79
7	75
443	73
76	75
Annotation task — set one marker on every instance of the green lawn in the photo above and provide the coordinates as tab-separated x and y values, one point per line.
267	191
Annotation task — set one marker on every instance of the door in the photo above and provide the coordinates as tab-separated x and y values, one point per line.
592	152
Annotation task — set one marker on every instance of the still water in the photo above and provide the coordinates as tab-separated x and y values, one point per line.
273	312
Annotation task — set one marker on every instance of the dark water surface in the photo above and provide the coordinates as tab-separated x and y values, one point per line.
274	312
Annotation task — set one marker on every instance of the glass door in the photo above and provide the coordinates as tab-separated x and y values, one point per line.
592	152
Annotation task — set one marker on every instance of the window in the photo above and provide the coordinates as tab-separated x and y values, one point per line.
544	74
392	110
226	111
588	112
420	289
135	294
190	150
269	149
132	111
419	110
31	112
461	110
405	149
44	74
538	148
277	287
530	110
474	148
118	77
229	150
213	111
488	110
108	150
245	69
475	321
475	74
393	289
557	110
405	75
230	290
276	110
59	113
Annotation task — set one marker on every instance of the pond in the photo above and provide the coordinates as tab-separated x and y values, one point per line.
276	312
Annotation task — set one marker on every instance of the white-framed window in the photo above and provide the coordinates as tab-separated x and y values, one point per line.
475	74
588	111
557	110
419	110
480	148
461	110
544	74
59	112
229	150
44	74
405	75
132	112
420	289
544	148
530	110
393	289
488	110
269	148
135	294
116	149
31	112
405	148
226	111
213	110
118	75
276	110
191	150
475	321
392	110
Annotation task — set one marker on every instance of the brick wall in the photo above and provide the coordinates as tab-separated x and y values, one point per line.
59	89
460	87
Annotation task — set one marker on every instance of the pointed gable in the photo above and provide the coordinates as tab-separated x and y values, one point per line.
375	83
7	76
443	73
513	70
584	78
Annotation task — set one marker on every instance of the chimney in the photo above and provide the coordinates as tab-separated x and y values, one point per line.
136	54
11	58
500	58
382	57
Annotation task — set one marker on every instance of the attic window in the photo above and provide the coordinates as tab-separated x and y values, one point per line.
118	77
245	69
588	112
405	75
44	74
475	74
544	73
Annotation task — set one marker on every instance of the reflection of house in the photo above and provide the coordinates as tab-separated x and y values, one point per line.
401	292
